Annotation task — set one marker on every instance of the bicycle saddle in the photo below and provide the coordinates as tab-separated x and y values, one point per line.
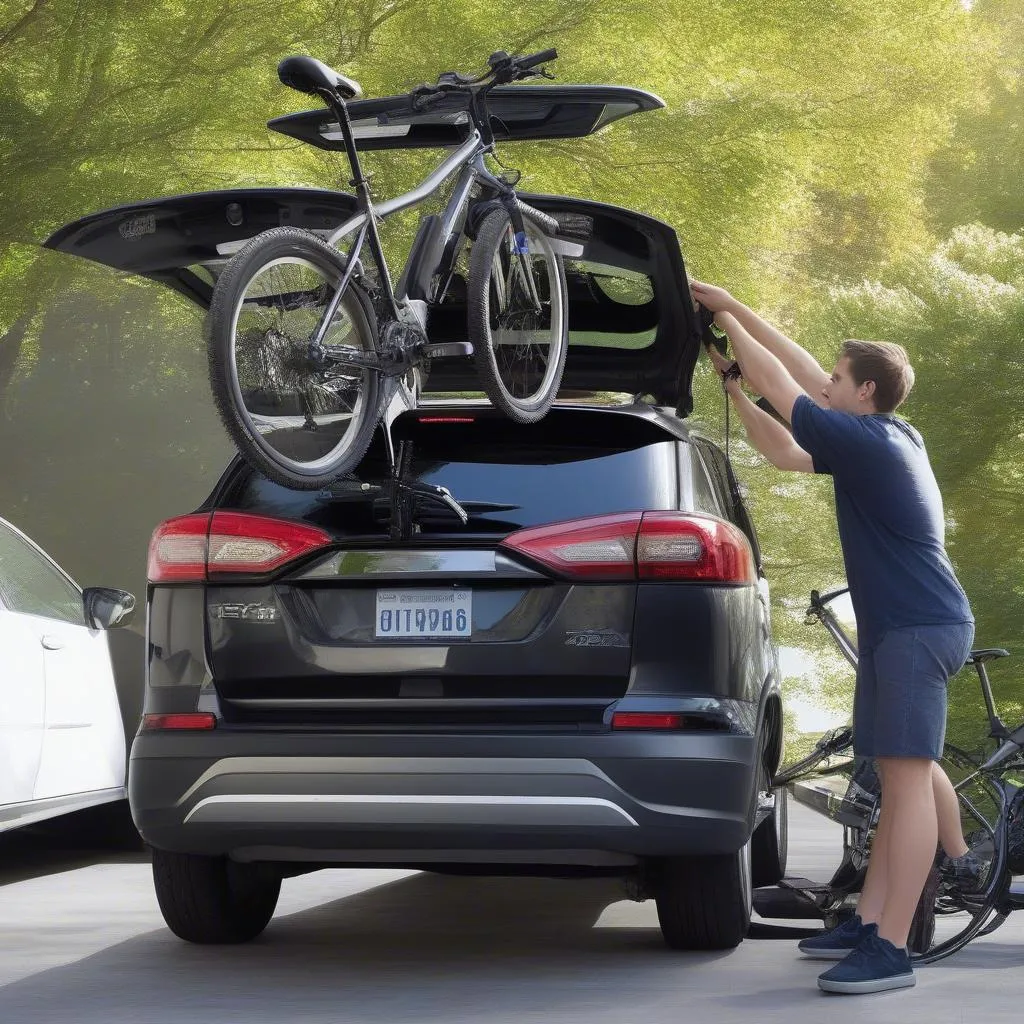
981	656
306	74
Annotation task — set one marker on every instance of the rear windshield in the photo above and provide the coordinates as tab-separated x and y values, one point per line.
506	476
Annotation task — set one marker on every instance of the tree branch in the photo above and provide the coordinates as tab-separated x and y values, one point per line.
26	19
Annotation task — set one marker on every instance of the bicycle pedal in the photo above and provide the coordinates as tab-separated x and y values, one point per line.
797	884
447	350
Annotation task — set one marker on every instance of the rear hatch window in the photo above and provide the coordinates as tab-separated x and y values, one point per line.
506	476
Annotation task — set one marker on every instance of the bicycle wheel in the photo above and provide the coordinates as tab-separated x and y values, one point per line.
300	423
948	918
520	352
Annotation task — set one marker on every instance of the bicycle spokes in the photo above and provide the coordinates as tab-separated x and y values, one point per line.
522	279
298	408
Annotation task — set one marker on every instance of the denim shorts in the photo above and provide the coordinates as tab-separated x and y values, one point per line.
899	709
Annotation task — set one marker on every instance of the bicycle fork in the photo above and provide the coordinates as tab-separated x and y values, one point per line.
521	249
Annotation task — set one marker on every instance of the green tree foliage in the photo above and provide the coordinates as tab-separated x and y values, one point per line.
977	176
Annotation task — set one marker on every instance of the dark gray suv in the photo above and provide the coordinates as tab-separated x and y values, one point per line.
493	648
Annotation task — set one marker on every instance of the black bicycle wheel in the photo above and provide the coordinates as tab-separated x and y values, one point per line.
948	917
520	352
300	423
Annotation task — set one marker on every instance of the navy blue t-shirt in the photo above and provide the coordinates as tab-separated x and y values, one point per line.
891	522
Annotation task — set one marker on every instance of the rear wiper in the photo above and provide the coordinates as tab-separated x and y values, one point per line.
434	492
405	497
415	499
390	490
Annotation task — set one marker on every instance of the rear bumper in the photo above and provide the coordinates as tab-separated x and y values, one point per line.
599	801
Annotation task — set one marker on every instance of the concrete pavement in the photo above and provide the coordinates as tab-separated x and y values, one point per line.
82	940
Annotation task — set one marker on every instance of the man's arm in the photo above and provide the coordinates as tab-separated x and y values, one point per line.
799	363
769	436
762	370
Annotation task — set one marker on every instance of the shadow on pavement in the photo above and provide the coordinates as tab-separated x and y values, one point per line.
100	835
426	948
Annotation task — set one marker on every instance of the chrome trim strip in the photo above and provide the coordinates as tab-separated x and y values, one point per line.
394	703
229	807
382	858
29	811
417	766
431	564
427	187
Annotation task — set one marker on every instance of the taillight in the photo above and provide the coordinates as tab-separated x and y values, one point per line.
191	547
679	546
641	545
190	721
646	720
601	547
177	550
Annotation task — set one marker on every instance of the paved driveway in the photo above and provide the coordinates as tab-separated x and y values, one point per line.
81	940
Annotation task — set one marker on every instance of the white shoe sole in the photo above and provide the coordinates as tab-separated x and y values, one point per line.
865	987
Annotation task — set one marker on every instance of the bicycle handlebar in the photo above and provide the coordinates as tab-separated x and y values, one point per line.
535	60
819	601
424	96
501	69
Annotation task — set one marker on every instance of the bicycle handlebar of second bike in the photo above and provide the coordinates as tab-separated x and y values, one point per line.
502	69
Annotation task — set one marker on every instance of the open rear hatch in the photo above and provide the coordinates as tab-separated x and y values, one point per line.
518	113
631	324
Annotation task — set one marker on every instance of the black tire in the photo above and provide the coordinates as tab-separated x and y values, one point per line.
261	380
213	900
518	379
705	902
769	845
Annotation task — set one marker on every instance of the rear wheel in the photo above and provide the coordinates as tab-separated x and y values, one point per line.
705	902
213	900
297	421
520	349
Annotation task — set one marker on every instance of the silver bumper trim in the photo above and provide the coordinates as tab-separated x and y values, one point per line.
408	810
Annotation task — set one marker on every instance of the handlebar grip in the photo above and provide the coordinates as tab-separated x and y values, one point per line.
525	63
424	96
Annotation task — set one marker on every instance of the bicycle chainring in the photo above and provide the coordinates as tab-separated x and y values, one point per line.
401	343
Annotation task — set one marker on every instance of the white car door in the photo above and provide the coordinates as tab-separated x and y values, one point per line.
22	705
83	739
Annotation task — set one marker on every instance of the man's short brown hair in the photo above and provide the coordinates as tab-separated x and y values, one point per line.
885	363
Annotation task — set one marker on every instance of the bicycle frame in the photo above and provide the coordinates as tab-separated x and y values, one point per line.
469	157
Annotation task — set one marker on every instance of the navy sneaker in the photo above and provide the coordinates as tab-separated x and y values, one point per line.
876	965
968	873
837	943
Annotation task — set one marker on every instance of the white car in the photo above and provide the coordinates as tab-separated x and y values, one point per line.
62	742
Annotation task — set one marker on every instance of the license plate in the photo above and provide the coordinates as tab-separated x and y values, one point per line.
424	613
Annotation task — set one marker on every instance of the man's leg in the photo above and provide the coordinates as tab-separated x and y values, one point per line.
951	838
947	807
873	892
907	825
908	798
